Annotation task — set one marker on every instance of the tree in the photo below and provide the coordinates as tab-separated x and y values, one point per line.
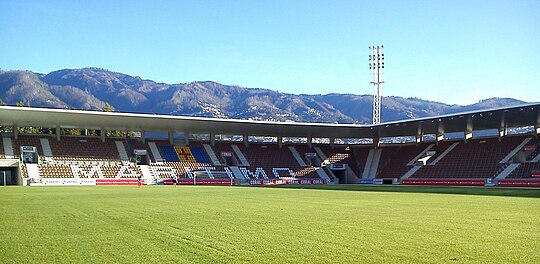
114	133
2	102
107	108
20	104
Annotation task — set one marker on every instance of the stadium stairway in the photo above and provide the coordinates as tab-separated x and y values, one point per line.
155	151
8	147
507	171
297	156
445	152
33	171
515	150
238	174
536	159
121	150
148	177
410	172
47	152
337	157
240	155
324	162
372	164
420	155
320	171
212	155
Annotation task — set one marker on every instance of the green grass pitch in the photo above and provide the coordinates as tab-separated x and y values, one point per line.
308	224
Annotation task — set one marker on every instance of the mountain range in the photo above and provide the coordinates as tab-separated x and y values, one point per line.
92	88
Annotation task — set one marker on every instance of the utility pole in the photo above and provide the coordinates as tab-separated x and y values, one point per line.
376	63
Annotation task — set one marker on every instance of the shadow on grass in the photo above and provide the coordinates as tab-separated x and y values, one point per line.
464	190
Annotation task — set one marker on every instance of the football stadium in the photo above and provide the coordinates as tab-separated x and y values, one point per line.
455	188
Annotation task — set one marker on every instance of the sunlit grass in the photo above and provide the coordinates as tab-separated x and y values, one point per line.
201	224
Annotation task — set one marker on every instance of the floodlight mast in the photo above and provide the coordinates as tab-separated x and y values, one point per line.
376	63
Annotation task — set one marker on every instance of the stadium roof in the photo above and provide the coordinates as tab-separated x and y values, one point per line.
499	118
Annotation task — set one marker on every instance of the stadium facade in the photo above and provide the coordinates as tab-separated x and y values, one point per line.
488	147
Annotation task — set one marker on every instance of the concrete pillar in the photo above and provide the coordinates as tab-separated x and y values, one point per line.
186	138
102	133
15	131
469	128
419	134
245	138
332	142
280	141
170	135
212	139
440	132
58	133
537	127
310	142
143	136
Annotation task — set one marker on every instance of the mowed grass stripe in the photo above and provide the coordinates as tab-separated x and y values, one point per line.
211	224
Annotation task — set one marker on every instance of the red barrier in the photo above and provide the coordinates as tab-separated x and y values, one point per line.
446	182
519	183
200	182
116	181
535	174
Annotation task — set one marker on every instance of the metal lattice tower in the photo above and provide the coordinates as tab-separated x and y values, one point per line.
376	63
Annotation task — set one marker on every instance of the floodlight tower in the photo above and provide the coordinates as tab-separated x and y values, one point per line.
376	63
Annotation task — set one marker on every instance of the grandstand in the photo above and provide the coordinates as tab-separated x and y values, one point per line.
493	147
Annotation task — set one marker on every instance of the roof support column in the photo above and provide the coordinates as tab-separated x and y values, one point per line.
143	136
332	142
280	141
537	127
170	137
58	133
469	129
310	142
440	132
15	131
212	139
102	133
419	134
245	139
502	126
186	138
377	138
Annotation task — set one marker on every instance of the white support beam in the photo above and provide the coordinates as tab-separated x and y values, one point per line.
245	139
469	128
186	138
440	132
143	136
170	137
440	137
502	126
58	133
212	139
102	133
15	131
502	133
376	142
419	134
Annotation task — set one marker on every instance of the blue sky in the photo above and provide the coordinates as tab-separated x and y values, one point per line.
448	51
